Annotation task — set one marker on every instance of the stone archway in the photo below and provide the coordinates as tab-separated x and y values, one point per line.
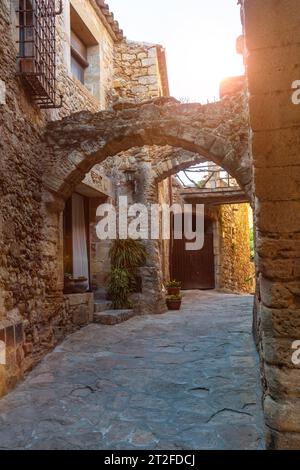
220	133
186	133
217	131
150	166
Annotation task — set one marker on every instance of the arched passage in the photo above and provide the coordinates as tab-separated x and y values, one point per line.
185	133
216	131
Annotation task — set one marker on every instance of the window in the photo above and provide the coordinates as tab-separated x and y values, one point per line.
26	29
84	50
37	52
78	57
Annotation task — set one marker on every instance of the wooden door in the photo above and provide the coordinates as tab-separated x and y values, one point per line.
195	269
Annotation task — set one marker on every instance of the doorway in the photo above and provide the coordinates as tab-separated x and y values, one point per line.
195	269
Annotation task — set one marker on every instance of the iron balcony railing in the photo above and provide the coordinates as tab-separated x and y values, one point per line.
37	50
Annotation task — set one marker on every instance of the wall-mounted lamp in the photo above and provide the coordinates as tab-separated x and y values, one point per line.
130	179
129	174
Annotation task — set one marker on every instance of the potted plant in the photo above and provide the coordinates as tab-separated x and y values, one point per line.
173	287
75	285
174	302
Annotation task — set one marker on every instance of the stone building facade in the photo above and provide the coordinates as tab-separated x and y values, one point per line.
34	312
103	80
271	51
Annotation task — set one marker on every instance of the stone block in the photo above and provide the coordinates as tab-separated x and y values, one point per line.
220	149
142	55
280	269
282	440
274	69
2	93
81	315
273	111
152	52
148	62
279	351
279	147
149	80
278	217
271	23
282	382
76	299
278	183
280	322
283	415
277	248
275	294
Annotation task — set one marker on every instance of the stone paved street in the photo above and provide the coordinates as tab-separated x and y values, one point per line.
182	380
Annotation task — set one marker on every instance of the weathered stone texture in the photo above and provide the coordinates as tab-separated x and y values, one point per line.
30	237
272	50
236	268
217	131
136	72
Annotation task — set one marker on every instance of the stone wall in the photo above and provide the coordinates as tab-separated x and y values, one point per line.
30	228
21	285
272	59
235	268
164	197
80	308
136	74
96	93
99	257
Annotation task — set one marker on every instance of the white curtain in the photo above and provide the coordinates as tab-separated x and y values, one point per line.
80	251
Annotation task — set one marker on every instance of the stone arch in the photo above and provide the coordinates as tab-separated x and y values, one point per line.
216	131
174	161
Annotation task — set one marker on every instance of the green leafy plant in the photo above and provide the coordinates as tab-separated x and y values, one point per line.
119	288
173	283
174	297
126	256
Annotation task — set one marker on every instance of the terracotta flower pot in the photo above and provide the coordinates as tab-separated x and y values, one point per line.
173	290
174	304
75	286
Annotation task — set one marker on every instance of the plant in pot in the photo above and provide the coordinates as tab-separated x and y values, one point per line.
73	285
174	302
173	287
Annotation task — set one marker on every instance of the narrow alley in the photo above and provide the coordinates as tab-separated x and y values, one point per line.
181	380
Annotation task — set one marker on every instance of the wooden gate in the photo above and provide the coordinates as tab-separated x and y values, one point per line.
195	269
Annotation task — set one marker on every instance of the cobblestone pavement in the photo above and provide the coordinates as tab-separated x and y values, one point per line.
182	380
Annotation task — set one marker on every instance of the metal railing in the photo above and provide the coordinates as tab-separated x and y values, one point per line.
207	177
37	49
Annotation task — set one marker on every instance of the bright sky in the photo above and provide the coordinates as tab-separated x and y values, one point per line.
199	36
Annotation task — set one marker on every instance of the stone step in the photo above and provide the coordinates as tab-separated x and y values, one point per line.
101	305
113	317
100	294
